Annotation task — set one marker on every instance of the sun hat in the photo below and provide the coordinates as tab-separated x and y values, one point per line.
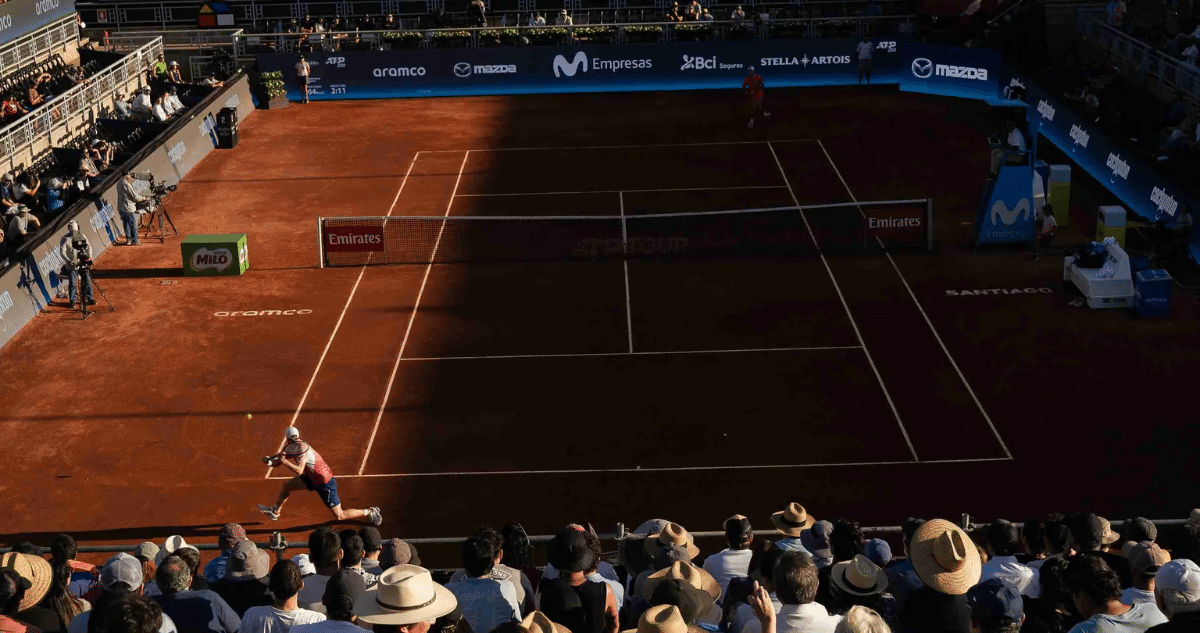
247	562
692	602
170	546
146	551
653	526
686	572
569	551
793	519
405	594
995	604
537	622
121	568
878	551
859	576
34	570
671	534
944	557
664	618
305	564
1146	558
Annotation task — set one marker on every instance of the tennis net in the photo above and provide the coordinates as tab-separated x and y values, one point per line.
765	232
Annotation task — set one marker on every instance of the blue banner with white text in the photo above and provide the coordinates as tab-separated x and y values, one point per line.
967	73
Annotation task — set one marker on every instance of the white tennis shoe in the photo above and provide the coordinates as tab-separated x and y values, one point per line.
271	512
751	123
376	516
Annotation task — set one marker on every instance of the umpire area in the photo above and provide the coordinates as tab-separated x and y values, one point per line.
609	382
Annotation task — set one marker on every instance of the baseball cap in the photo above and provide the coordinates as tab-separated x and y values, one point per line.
233	532
121	568
397	552
146	551
1146	558
1140	529
995	603
1178	582
372	542
291	433
878	551
343	586
305	564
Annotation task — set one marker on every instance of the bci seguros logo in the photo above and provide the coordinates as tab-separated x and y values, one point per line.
563	67
702	63
203	259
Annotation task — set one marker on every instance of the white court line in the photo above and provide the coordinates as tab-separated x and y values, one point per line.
618	191
412	317
925	316
313	379
671	468
632	353
846	306
625	263
534	149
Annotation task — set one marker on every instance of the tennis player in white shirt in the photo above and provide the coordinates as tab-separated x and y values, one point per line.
302	77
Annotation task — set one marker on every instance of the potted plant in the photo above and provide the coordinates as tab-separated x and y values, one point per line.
498	37
272	84
404	39
693	32
547	34
640	33
450	37
594	32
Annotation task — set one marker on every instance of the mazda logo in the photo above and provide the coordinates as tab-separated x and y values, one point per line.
922	68
462	69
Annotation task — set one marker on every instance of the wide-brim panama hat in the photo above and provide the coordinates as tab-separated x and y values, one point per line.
859	576
672	534
793	519
34	570
537	622
405	594
945	558
686	572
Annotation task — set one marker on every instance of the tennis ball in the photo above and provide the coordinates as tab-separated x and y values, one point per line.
249	416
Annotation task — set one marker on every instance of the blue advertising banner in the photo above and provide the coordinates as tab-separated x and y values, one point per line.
18	17
1143	190
967	73
554	69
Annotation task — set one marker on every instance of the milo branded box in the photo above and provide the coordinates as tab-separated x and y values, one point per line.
207	255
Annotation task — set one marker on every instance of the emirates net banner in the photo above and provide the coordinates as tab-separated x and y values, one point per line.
18	17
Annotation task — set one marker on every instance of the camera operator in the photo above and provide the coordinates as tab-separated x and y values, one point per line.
131	204
77	255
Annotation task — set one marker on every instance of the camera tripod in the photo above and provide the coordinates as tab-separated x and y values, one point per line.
86	285
158	211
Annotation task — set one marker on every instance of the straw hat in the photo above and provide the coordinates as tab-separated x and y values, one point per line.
34	570
945	558
664	618
537	622
672	534
859	576
792	520
688	573
405	594
173	544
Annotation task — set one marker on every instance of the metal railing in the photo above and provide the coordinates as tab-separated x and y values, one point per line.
57	121
251	43
183	38
1157	69
38	45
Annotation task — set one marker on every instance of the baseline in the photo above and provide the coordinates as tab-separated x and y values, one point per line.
650	353
618	191
562	147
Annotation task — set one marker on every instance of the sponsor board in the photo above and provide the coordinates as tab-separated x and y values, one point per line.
1079	137
561	66
804	60
258	313
1045	110
896	225
400	71
1000	211
463	69
697	62
354	239
1120	168
336	62
176	152
103	216
217	259
1165	203
6	304
999	291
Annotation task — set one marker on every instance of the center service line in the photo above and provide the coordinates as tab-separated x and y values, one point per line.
625	263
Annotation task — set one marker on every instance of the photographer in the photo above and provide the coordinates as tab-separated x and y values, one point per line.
77	255
131	204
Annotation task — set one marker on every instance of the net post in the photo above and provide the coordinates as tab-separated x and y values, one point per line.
929	224
321	240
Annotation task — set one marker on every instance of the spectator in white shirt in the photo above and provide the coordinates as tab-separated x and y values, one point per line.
865	49
160	110
141	103
1145	558
762	575
564	19
284	612
1003	543
537	20
1014	143
341	593
796	587
737	15
325	552
172	103
734	560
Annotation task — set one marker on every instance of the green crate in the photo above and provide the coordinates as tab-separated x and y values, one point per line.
211	255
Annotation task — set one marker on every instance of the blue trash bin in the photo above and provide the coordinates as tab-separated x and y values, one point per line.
1152	294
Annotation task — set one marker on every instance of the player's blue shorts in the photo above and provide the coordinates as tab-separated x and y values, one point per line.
327	492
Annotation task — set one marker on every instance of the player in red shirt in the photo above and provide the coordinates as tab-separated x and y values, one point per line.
752	86
312	473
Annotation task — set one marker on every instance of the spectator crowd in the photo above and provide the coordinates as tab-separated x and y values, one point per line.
1059	573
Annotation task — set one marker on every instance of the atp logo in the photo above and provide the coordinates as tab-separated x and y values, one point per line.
1009	216
336	62
563	67
889	47
922	68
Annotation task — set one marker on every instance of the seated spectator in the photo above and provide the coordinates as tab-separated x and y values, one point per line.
537	20
22	225
734	560
695	579
121	106
57	192
26	189
948	564
398	552
1090	535
860	582
1003	542
862	620
792	522
1033	544
1191	53
142	104
91	172
518	554
192	611
133	614
486	603
406	598
325	552
352	555
1145	559
846	541
1096	592
146	553
692	11
34	94
8	194
85	577
101	154
1139	529
737	15
172	103
673	15
877	551
902	579
121	576
283	613
1177	594
342	592
738	612
564	19
12	109
59	600
996	607
796	587
1054	536
34	576
191	556
817	541
503	573
173	74
211	80
1054	611
245	582
705	16
372	547
160	112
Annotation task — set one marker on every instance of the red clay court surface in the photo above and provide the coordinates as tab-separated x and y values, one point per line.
453	395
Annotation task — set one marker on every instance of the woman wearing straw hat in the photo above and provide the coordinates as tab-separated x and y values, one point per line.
948	563
34	576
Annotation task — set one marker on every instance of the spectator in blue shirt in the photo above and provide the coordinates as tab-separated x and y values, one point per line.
485	602
56	195
192	611
230	535
902	578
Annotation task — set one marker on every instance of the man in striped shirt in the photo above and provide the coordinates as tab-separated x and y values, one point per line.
312	473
